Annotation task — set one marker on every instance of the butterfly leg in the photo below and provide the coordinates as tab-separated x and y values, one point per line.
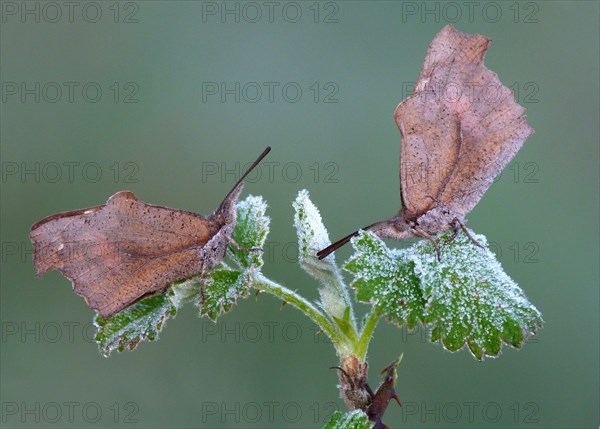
466	231
454	234
245	249
421	233
202	286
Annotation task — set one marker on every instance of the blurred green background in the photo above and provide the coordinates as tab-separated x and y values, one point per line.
153	110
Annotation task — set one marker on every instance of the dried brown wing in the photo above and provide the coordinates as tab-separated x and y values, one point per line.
120	252
493	127
459	128
428	151
430	136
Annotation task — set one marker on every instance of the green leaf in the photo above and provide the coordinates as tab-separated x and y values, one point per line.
346	328
385	279
250	232
312	237
355	419
141	321
185	291
466	298
470	299
223	287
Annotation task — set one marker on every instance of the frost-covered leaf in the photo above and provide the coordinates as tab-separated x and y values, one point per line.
141	321
223	286
355	419
384	278
250	232
183	292
466	298
470	299
312	237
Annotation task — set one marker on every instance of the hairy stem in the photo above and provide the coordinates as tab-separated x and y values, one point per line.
264	284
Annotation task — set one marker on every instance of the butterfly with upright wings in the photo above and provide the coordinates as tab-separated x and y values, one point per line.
459	128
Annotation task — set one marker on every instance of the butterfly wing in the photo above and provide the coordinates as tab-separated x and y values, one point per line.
459	129
118	253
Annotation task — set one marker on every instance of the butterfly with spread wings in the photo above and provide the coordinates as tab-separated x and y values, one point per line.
121	252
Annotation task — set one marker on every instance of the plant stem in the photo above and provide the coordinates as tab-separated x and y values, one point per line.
362	346
264	284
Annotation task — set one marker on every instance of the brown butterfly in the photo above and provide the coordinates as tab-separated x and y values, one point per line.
127	250
459	128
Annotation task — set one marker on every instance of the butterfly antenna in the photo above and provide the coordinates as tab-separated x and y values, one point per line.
334	246
252	167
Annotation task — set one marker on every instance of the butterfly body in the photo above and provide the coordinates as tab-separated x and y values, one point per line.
404	227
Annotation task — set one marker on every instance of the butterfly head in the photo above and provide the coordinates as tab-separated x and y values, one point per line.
226	213
396	228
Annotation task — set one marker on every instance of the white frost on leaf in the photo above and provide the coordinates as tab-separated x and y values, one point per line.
225	285
470	297
250	232
256	208
312	237
385	279
466	298
184	292
355	419
140	322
